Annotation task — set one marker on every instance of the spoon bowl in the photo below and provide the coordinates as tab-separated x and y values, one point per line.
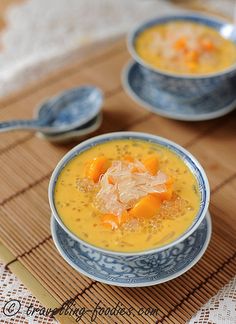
62	113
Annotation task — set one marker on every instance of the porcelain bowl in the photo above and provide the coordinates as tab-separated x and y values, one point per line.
188	159
184	86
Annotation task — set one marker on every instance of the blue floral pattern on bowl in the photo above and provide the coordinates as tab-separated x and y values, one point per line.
133	271
185	86
209	106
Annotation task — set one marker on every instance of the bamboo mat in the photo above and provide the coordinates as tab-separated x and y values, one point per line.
27	162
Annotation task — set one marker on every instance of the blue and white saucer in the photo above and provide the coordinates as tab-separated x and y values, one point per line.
154	269
210	106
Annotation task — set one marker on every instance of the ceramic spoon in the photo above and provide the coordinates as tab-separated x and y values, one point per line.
63	113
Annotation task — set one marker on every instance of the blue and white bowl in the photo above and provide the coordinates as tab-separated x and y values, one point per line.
184	86
188	159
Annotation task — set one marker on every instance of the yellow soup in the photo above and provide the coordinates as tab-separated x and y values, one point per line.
185	47
150	220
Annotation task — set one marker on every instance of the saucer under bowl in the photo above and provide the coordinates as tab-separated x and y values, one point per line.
209	106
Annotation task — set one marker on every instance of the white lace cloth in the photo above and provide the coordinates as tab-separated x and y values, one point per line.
12	289
41	35
220	309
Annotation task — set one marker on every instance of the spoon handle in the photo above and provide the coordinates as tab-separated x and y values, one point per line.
6	126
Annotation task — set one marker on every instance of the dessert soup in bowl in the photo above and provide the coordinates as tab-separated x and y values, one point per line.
187	55
129	193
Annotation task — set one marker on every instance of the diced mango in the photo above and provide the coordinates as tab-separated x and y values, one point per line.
181	43
152	164
96	167
166	195
207	45
112	221
146	207
124	217
111	180
135	170
192	56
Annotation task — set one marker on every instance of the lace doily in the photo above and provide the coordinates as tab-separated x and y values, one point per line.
220	309
12	289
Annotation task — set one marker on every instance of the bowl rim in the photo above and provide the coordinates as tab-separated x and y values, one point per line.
118	135
187	14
